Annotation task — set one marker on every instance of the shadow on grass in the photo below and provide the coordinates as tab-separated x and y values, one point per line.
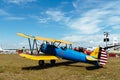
87	67
47	65
93	67
67	63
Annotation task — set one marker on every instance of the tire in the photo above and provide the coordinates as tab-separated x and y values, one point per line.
41	62
52	62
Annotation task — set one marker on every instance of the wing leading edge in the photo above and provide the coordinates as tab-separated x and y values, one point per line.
41	57
43	38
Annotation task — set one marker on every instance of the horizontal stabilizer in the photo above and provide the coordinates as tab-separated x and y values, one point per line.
111	46
41	57
91	58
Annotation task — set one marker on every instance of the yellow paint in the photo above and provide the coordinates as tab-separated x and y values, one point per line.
23	35
95	52
91	58
44	39
64	42
40	57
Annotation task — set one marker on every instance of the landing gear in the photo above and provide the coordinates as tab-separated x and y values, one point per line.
41	62
52	62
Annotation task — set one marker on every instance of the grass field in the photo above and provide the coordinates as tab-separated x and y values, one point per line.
14	67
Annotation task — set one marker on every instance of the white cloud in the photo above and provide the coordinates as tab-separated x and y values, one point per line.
91	40
116	27
19	1
92	21
14	18
40	19
114	20
88	23
82	5
8	16
95	19
85	25
23	43
2	12
57	16
43	20
51	15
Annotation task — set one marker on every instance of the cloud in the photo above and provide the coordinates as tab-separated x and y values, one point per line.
15	18
3	13
85	25
19	1
40	19
57	16
95	18
89	19
92	20
79	40
51	15
23	43
116	27
43	20
114	20
91	40
8	16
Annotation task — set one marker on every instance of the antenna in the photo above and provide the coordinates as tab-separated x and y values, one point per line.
106	39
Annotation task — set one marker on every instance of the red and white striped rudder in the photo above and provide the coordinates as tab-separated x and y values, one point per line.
103	57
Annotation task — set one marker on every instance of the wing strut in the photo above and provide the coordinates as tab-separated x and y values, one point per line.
31	50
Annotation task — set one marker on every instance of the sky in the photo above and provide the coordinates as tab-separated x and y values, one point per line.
82	22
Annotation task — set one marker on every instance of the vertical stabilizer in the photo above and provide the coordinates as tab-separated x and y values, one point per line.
95	53
100	54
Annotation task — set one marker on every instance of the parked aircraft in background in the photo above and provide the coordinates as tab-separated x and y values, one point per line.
1	50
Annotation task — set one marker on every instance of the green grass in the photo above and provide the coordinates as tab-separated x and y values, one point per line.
14	67
2	69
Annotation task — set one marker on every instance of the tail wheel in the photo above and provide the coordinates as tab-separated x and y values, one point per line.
41	62
52	62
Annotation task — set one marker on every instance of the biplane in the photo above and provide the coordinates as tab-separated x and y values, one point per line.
51	50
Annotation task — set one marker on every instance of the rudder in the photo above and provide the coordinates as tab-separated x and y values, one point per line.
100	54
102	57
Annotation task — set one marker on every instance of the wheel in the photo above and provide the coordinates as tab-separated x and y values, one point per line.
41	62
52	62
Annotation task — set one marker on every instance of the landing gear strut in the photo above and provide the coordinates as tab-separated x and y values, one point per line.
52	62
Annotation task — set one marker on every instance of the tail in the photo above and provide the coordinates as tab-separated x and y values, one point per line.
100	54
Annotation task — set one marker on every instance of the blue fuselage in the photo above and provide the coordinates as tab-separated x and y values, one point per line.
66	54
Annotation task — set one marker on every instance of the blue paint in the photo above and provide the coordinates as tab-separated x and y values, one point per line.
71	55
66	54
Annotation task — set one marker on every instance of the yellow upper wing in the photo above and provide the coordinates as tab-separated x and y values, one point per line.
64	42
23	35
44	39
41	57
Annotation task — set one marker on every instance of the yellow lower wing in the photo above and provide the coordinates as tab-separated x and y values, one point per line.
41	57
91	58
